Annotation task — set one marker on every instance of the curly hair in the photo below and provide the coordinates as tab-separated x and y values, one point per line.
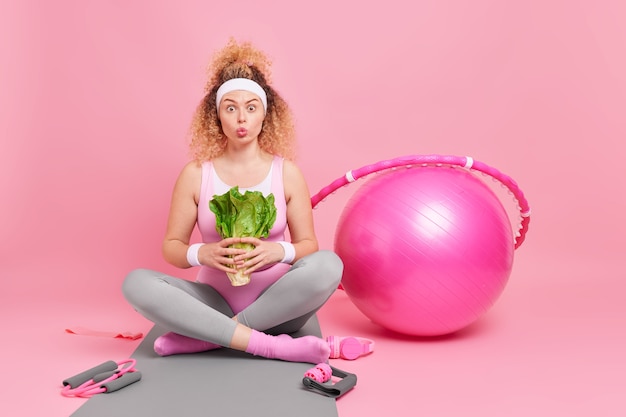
241	60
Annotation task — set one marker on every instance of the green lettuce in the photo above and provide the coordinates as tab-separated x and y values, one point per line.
243	215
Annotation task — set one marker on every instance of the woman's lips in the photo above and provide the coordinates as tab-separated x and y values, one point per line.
242	132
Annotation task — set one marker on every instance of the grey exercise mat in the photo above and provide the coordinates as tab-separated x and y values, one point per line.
216	383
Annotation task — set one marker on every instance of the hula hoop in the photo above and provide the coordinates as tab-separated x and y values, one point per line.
435	160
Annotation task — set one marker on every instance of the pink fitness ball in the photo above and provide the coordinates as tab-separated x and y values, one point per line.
426	250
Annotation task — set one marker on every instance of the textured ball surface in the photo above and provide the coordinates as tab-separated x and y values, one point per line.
426	250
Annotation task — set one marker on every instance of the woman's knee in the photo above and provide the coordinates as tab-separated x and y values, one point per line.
331	265
134	287
327	268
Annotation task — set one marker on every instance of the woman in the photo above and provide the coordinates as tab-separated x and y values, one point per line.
242	135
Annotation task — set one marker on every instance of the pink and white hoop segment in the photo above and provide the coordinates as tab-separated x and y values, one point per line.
435	160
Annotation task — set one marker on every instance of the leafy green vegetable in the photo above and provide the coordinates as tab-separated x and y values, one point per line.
243	215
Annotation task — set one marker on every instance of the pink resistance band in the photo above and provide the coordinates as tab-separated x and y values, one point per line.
117	335
107	377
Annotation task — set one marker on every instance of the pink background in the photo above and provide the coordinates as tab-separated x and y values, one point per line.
95	101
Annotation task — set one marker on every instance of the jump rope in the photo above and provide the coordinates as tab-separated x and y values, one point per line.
111	376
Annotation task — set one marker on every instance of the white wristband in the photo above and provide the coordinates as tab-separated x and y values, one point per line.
192	254
290	251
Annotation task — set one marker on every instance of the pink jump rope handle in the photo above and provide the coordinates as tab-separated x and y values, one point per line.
436	160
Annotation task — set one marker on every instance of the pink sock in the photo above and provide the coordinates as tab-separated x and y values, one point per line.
174	343
284	347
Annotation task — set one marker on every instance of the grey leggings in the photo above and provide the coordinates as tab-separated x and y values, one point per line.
197	310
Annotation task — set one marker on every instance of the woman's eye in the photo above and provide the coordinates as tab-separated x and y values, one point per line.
230	108
251	108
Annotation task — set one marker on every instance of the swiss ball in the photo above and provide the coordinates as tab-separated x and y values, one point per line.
427	250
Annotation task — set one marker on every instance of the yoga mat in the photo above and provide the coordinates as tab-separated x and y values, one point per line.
222	382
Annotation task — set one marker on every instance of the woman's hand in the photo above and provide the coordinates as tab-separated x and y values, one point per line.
220	256
264	254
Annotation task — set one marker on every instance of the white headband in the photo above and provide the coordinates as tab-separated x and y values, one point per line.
241	84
